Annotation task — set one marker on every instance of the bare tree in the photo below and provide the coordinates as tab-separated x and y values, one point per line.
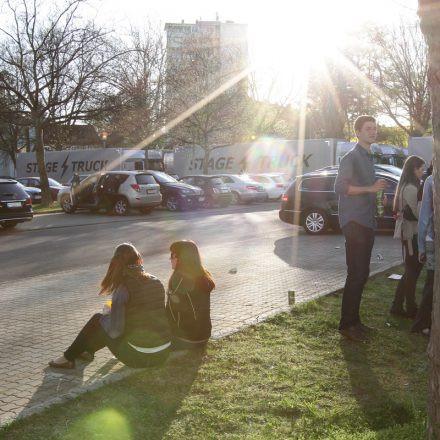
429	12
54	66
400	72
268	115
211	77
138	78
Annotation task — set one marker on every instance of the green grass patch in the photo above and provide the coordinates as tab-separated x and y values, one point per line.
53	207
290	377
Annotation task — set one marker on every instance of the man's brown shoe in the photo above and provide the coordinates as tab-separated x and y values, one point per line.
354	334
66	365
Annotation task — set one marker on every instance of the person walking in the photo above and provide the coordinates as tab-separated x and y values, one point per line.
407	208
422	323
357	186
135	326
188	296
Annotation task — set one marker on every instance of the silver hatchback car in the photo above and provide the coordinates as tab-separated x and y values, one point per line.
114	191
243	188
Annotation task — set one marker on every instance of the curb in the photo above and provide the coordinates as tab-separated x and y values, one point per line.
126	371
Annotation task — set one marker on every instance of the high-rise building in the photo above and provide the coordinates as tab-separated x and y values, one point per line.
221	47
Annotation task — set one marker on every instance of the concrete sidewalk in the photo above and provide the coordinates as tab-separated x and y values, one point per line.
40	316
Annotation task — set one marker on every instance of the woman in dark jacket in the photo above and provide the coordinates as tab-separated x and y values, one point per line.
188	297
135	327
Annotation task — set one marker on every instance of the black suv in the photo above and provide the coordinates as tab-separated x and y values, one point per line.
311	201
215	190
177	196
15	204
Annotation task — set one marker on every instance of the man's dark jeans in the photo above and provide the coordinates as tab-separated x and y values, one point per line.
359	241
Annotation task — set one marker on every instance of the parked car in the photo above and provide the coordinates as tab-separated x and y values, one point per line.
34	193
311	201
215	190
114	191
243	188
273	184
15	204
377	167
177	196
34	182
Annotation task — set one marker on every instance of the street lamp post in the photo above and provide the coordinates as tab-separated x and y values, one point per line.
103	136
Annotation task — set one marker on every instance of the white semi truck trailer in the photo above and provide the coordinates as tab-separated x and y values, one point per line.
286	156
423	147
61	165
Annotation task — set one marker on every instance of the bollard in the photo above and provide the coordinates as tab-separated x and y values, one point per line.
291	297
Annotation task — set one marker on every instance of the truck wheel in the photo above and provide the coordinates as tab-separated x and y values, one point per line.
121	206
315	222
9	225
172	204
66	205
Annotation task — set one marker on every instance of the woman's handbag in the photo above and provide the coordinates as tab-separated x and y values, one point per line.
408	214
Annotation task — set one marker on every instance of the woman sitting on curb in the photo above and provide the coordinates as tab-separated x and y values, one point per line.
135	328
188	297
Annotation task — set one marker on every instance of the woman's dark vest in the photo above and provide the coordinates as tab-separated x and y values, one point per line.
146	324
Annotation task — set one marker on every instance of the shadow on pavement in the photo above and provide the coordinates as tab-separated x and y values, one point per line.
143	405
54	386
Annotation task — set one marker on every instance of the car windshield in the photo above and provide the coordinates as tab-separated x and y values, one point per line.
145	179
164	178
54	182
217	181
277	179
12	190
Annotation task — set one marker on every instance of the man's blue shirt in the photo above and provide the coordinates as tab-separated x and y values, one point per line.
356	169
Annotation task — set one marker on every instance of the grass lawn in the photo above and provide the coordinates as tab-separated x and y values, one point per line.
54	207
290	377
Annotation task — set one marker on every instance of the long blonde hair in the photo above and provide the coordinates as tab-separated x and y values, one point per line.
125	255
408	177
189	261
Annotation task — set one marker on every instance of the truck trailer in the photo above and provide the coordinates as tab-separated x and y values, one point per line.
62	165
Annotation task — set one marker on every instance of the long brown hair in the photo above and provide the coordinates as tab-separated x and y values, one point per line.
125	255
408	177
189	262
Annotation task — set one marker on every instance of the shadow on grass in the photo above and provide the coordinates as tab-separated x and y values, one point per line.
380	409
140	406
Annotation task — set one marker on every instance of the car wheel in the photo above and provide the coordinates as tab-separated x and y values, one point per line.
172	204
235	198
315	222
9	225
121	206
66	205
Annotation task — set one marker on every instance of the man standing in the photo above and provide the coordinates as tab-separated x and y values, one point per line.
356	185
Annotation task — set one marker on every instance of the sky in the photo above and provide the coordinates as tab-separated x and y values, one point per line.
285	36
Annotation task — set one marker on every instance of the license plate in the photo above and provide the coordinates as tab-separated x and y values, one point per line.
151	191
225	190
37	197
201	199
14	204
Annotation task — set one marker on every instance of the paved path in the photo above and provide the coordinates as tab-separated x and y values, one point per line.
40	315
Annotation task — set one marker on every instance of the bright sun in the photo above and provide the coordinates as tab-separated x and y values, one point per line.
294	37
